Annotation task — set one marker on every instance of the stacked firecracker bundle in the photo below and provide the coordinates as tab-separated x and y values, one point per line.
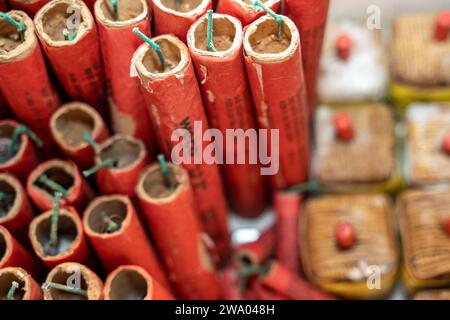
91	206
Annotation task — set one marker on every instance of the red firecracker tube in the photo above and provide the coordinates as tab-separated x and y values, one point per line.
275	74
77	60
19	162
131	282
24	81
27	289
170	20
171	216
127	105
115	232
29	6
223	83
311	19
174	101
65	174
244	10
69	123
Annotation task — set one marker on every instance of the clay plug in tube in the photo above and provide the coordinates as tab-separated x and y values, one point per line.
274	67
166	200
174	101
58	176
57	236
72	281
24	81
118	162
29	6
176	16
244	10
215	44
12	254
15	209
115	21
18	284
114	230
18	149
69	125
130	282
73	50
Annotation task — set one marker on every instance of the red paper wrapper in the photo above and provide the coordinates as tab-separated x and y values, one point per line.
282	281
131	282
174	101
127	105
72	244
262	293
129	156
230	284
287	211
14	255
16	212
29	6
4	110
223	83
28	288
168	20
279	95
67	125
3	6
257	252
76	63
66	174
24	80
172	218
244	10
310	18
74	275
127	245
24	160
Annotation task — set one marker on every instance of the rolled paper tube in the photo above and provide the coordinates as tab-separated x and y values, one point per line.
310	18
129	157
281	280
287	211
12	254
71	245
131	282
171	216
174	101
127	105
244	9
15	209
172	20
275	74
67	176
118	238
226	94
24	80
26	287
70	123
230	284
20	162
257	252
76	61
29	6
72	281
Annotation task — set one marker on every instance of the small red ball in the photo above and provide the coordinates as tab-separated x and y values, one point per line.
446	144
343	127
447	227
343	46
345	235
442	27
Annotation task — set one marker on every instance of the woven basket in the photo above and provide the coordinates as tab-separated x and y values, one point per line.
345	272
363	163
426	246
426	127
